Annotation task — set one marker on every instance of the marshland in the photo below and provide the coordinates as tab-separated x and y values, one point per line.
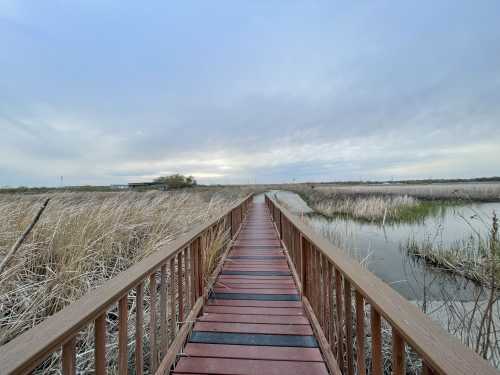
435	245
84	239
438	245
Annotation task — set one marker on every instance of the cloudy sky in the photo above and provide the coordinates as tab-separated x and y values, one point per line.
107	92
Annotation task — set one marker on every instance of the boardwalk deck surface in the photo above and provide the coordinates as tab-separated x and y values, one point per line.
254	323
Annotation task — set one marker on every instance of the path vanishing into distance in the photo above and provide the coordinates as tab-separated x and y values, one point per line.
254	321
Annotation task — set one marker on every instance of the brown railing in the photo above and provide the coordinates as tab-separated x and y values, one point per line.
174	278
353	306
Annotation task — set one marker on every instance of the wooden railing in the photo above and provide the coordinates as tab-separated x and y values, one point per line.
353	305
169	285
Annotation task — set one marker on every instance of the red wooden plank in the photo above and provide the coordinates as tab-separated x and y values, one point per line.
253	352
274	329
242	318
227	366
235	281
255	291
250	303
249	263
249	267
254	310
253	253
229	286
255	277
258	244
253	268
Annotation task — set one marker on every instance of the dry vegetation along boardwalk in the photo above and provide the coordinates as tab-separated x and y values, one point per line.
254	321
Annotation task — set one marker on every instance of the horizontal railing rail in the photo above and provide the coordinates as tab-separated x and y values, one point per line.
339	290
174	278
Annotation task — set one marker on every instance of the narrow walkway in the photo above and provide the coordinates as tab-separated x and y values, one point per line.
255	323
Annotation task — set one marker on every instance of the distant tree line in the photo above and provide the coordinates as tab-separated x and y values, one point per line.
177	181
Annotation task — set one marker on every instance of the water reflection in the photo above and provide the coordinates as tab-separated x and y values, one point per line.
379	247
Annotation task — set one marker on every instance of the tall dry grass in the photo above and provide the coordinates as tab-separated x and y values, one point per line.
485	192
372	208
359	206
82	240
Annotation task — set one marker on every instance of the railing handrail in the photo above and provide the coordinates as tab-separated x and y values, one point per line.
442	351
38	342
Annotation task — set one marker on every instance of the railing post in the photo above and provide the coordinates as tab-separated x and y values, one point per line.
139	329
69	357
180	290
360	333
348	325
303	260
201	247
398	353
233	230
340	319
376	342
123	335
173	308
163	310
100	345
192	269
280	225
152	321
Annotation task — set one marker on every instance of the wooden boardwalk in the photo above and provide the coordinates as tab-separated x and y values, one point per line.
255	320
254	323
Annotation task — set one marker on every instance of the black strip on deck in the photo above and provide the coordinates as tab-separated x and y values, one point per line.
257	339
256	297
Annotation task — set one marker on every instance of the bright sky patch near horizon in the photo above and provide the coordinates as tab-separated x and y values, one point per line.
109	92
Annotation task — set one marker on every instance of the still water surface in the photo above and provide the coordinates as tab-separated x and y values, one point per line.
381	248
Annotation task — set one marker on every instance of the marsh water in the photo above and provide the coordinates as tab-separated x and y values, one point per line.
381	248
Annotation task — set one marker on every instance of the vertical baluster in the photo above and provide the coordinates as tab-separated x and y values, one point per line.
310	273
280	228
163	311
186	280
340	320
139	329
299	252
360	333
326	301
152	322
172	301
196	262
69	357
100	345
231	220
426	369
192	271
398	353
201	255
317	285
123	335
180	293
331	303
376	342
348	325
320	290
303	262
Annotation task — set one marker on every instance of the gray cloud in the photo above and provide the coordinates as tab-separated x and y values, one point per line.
308	92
